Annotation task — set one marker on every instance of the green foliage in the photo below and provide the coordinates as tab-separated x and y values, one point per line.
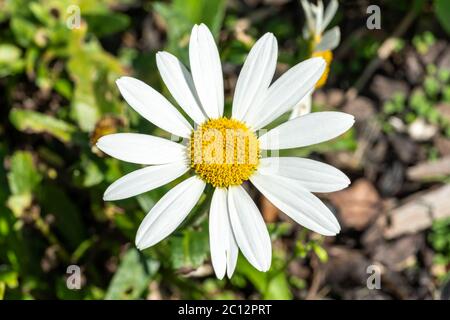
132	276
23	179
442	10
34	122
439	238
272	284
10	60
183	14
305	246
190	248
421	102
423	42
59	96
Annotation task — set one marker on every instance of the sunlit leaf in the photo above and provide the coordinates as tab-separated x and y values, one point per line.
23	176
132	276
35	122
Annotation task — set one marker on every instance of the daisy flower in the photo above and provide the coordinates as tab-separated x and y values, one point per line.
226	152
321	43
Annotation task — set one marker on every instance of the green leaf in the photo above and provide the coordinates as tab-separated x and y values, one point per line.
9	277
68	221
4	192
35	122
19	203
103	24
87	173
42	13
23	176
278	288
132	277
190	249
24	31
9	53
10	60
320	252
272	284
2	290
93	72
181	15
442	10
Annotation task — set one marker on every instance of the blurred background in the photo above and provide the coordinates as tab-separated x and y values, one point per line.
58	63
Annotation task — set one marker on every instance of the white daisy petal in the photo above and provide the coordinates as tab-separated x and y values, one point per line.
287	91
143	180
308	14
330	40
255	76
330	12
224	250
302	206
314	176
153	106
206	70
319	16
180	84
169	212
249	229
303	107
141	148
306	130
232	254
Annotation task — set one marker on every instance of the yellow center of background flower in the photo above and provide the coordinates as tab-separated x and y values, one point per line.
224	152
328	57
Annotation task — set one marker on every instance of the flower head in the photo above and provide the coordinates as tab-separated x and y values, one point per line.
317	20
225	152
321	44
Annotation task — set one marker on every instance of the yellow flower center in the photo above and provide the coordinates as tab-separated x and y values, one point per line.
224	152
328	57
316	39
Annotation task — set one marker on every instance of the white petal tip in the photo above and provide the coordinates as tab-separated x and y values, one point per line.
101	143
220	276
110	196
332	233
161	54
265	269
139	243
262	268
107	198
350	120
120	82
319	60
140	247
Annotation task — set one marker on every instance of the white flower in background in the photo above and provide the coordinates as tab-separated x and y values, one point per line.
321	43
317	20
235	221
